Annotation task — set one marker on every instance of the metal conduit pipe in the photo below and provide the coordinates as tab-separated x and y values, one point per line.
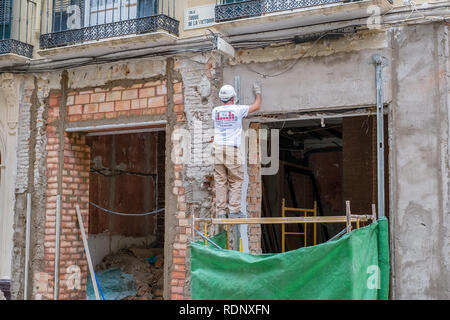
27	247
380	62
57	246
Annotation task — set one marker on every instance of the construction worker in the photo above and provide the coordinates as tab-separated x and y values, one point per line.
228	160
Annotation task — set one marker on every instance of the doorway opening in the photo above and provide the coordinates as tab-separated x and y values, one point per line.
126	213
323	162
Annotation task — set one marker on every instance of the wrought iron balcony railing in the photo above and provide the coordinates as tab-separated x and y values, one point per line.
237	9
68	22
17	19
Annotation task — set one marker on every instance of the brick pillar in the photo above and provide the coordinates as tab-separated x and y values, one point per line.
254	198
67	175
182	227
182	230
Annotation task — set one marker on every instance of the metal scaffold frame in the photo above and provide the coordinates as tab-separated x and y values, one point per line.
348	219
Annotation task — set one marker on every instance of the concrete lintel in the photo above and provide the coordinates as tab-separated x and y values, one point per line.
118	126
315	114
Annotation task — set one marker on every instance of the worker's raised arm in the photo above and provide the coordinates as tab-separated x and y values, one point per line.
257	104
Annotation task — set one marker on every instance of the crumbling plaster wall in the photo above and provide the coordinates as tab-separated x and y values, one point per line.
191	192
31	156
419	133
10	86
330	74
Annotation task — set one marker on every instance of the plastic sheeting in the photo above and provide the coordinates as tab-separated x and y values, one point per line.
353	267
114	284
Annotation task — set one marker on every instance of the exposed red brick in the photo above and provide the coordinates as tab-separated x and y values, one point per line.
130	94
113	96
178	108
176	289
178	87
106	107
147	92
161	90
90	108
76	109
82	99
178	98
122	105
179	275
152	83
54	100
98	97
156	102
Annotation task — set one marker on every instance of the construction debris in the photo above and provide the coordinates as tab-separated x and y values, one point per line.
145	265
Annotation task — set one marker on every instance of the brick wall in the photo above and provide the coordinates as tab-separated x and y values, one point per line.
73	186
71	177
149	98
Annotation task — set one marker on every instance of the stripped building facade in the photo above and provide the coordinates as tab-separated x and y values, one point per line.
79	97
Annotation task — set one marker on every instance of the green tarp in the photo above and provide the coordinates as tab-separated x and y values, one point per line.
355	266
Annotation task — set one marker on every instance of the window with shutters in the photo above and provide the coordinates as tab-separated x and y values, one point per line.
16	30
108	11
5	18
61	13
77	21
97	12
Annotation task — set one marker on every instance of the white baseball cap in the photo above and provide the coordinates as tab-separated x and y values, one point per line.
226	93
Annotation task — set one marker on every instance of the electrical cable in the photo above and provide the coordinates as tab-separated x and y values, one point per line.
126	214
118	172
96	61
258	44
298	59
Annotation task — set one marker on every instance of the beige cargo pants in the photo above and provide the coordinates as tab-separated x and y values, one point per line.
228	178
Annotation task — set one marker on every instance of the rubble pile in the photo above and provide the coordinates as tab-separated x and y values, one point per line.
145	264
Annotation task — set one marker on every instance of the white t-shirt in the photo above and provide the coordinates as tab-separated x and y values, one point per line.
228	124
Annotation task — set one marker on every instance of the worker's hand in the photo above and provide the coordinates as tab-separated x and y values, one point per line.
257	88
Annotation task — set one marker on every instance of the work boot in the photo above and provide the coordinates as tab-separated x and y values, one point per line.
237	215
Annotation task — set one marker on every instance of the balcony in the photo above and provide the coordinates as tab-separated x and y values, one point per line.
236	18
71	22
16	30
238	9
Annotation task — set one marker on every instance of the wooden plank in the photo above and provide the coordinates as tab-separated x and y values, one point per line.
299	210
286	220
88	255
348	219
